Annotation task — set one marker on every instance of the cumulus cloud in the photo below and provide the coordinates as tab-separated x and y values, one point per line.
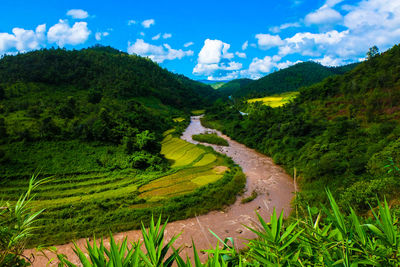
213	51
157	53
78	13
148	22
62	34
267	41
324	15
215	57
188	44
259	67
166	35
100	35
23	40
311	44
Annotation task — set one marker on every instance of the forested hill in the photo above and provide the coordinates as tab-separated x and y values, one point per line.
230	87
342	133
289	79
105	70
92	110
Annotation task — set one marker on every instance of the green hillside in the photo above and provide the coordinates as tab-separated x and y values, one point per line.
342	133
235	85
96	121
289	79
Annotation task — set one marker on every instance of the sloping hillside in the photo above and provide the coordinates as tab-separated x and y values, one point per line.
99	98
342	133
231	87
289	79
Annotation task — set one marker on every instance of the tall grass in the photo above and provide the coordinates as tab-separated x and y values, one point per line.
17	225
327	238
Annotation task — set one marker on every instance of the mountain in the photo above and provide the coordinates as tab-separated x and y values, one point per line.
289	79
233	86
342	133
88	102
103	69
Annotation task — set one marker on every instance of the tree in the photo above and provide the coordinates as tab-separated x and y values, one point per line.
2	93
372	52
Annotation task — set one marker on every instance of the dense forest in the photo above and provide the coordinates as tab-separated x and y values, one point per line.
285	80
342	133
230	87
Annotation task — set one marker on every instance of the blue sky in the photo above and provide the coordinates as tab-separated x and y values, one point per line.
215	40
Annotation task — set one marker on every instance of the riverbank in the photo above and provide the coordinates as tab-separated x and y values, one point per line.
273	186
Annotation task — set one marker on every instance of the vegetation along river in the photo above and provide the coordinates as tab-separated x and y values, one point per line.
274	187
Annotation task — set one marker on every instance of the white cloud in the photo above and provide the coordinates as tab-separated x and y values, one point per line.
213	51
324	15
284	26
23	40
156	37
100	35
148	22
311	44
157	53
245	45
7	41
166	35
188	44
266	41
329	61
131	22
224	77
62	34
213	57
241	54
78	13
260	67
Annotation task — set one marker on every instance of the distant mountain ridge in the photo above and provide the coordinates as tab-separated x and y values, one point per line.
286	80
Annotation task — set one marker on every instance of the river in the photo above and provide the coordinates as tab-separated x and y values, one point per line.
274	187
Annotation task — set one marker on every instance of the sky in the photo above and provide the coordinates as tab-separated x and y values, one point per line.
214	40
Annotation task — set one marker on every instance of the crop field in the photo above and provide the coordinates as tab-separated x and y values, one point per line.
83	204
275	100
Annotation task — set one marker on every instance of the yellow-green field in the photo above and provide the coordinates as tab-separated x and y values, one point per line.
275	100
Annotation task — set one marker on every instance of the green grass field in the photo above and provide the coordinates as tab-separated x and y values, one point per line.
275	100
93	199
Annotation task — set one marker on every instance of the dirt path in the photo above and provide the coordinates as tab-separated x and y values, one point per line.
274	187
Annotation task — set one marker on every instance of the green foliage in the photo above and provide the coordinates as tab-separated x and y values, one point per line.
288	80
372	52
253	196
326	237
227	89
338	133
211	138
17	226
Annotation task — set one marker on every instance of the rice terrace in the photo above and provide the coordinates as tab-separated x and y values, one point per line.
125	198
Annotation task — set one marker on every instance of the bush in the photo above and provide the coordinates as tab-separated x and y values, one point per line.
211	138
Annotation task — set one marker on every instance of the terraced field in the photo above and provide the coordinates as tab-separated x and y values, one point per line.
81	205
275	100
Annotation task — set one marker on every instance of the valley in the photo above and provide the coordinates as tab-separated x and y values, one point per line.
274	187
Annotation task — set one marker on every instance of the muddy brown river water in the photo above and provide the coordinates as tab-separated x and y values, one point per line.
274	187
